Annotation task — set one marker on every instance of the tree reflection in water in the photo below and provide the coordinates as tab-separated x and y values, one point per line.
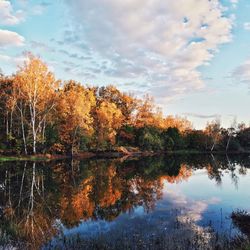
37	197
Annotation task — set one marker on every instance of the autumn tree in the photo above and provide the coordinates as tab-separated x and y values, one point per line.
74	112
109	119
36	87
149	114
145	112
125	102
182	124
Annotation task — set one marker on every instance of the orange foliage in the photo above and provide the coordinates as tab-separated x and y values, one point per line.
82	205
150	115
112	193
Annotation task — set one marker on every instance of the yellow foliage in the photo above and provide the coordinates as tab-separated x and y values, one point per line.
177	122
109	119
145	113
74	111
36	84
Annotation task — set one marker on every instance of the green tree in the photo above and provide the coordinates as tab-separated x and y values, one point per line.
149	138
176	136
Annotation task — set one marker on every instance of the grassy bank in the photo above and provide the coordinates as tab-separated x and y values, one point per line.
39	157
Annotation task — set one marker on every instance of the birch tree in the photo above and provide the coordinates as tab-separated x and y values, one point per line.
36	87
213	129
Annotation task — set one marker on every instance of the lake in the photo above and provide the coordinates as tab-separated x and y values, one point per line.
163	202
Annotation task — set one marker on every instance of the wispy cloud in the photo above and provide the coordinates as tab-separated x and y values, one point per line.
242	73
15	60
38	9
214	116
42	46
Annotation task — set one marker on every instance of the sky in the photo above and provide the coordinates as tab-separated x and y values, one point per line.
192	56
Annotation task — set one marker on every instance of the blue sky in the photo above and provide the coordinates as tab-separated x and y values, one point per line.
192	56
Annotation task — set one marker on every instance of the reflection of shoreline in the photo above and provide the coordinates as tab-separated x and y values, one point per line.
105	194
184	173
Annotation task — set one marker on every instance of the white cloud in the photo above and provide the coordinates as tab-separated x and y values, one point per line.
193	209
247	26
7	15
10	38
162	43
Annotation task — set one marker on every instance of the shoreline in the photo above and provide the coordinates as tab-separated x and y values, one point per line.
111	154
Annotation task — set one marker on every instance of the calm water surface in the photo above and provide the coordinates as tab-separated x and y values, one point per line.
120	202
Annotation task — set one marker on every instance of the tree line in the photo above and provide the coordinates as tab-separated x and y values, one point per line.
40	114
